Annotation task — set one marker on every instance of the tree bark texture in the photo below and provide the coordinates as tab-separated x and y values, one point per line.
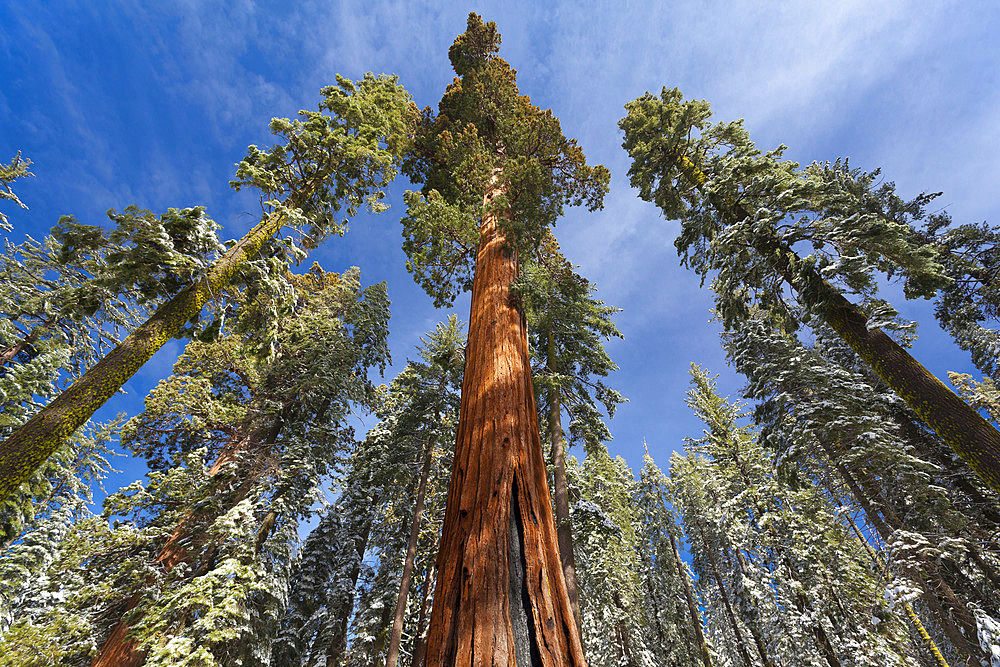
499	527
411	555
24	451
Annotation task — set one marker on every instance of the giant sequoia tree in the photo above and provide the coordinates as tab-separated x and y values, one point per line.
746	216
497	171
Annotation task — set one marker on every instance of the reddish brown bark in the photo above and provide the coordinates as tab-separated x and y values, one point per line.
499	527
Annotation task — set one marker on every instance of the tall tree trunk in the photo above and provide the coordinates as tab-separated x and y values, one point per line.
501	595
118	649
973	438
727	603
25	451
337	649
564	528
419	641
699	633
411	555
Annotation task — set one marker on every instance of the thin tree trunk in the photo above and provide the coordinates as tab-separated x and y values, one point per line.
973	438
907	607
25	451
500	597
689	598
419	641
7	354
564	528
959	625
727	604
337	648
411	555
752	627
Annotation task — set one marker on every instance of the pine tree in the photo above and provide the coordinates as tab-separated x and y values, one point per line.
744	213
328	166
496	172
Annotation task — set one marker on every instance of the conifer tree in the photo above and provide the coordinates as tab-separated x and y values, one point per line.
328	166
613	603
497	172
745	213
838	427
239	445
567	327
673	606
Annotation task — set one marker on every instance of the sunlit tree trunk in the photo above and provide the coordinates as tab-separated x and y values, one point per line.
501	596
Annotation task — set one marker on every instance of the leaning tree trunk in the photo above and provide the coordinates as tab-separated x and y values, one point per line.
564	529
411	555
973	438
689	599
501	596
29	447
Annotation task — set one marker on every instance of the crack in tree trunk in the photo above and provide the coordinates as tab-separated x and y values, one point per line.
498	447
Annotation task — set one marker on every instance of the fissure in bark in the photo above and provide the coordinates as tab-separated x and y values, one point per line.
497	449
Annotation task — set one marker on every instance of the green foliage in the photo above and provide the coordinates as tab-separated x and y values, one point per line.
18	168
329	165
567	327
487	137
762	224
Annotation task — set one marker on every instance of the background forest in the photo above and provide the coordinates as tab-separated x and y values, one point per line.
745	469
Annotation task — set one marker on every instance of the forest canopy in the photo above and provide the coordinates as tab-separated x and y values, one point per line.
351	442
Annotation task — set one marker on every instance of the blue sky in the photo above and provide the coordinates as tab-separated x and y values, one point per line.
153	103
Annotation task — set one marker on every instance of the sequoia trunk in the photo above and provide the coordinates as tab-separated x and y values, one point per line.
500	597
